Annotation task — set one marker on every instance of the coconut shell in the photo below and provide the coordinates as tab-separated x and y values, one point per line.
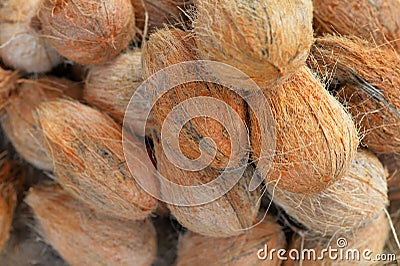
371	237
89	162
368	81
350	203
111	85
268	40
227	216
88	32
376	21
159	12
21	44
316	139
199	250
19	123
168	47
8	201
84	237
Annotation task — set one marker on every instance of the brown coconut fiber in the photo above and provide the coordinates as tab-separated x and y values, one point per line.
242	250
268	40
88	31
316	139
84	237
371	237
111	85
375	21
167	47
19	123
21	44
87	151
368	80
392	164
352	202
7	84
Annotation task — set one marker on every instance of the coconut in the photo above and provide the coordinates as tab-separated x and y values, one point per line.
392	164
19	123
376	21
350	203
226	216
168	47
21	44
88	32
8	201
368	80
154	13
89	162
196	249
371	237
268	40
7	83
84	237
110	86
316	139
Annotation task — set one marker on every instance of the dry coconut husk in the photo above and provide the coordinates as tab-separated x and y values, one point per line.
350	203
371	237
392	164
111	85
19	123
7	84
88	31
21	44
153	14
199	250
368	80
89	162
268	40
226	216
84	237
376	21
168	47
316	139
8	200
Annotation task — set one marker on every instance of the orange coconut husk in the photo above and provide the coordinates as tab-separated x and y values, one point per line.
371	237
196	249
19	123
392	164
89	162
88	32
268	40
226	216
167	47
368	79
7	84
84	237
153	14
111	85
316	139
376	21
21	44
350	203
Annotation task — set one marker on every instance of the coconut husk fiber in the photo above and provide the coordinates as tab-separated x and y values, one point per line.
172	46
88	31
226	216
153	14
199	250
375	21
7	84
21	44
111	85
371	237
316	139
392	164
352	202
87	151
268	40
367	80
19	123
84	237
